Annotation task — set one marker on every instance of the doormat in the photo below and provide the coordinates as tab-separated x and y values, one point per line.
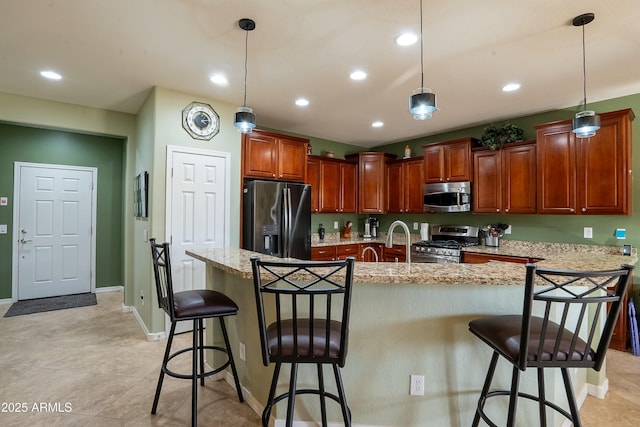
40	305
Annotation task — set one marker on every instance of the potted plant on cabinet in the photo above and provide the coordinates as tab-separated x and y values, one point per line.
495	136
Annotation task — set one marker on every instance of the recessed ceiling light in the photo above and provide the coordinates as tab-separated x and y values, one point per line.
377	124
302	102
406	39
510	87
51	75
219	79
358	75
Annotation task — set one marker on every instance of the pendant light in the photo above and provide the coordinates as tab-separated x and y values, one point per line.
422	103
245	120
587	122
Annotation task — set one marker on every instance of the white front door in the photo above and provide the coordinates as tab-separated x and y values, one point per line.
54	216
197	210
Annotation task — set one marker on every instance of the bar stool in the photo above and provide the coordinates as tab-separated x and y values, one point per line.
195	305
304	319
568	335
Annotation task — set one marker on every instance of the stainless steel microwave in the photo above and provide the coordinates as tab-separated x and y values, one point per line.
447	197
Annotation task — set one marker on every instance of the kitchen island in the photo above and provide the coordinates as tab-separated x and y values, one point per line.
407	319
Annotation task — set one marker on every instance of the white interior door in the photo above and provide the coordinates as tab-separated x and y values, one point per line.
54	216
197	210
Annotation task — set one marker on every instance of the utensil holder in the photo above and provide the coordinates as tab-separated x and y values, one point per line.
493	241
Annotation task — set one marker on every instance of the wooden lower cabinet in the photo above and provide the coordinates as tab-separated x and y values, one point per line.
335	252
339	252
344	251
396	253
323	253
620	337
480	258
368	256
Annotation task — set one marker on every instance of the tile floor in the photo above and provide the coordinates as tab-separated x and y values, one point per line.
93	366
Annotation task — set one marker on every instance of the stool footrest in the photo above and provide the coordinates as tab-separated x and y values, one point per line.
213	371
495	393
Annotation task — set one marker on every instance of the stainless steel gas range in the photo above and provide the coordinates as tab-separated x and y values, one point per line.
445	244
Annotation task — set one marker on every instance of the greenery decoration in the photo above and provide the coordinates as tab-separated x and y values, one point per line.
496	135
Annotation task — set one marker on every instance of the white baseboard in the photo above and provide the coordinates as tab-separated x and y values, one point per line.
150	336
109	289
6	301
599	391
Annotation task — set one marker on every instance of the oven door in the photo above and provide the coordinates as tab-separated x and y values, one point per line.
434	259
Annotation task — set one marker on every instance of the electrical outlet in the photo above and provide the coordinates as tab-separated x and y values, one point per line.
3	228
507	230
417	385
242	352
336	225
588	233
415	226
142	297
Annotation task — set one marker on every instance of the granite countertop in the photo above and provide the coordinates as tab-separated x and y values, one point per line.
560	256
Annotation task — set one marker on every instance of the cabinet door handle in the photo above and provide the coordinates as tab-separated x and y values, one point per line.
584	209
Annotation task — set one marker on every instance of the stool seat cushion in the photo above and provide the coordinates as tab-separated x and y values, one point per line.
304	338
503	334
202	303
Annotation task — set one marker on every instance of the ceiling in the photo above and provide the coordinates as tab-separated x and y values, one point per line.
112	52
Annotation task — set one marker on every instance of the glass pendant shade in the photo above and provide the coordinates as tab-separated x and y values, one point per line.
586	124
422	104
245	120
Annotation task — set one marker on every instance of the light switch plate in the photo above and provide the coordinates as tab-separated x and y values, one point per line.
3	228
588	233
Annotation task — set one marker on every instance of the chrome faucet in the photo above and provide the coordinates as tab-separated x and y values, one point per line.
369	248
407	237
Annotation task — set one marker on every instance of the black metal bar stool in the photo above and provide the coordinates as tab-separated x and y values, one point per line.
303	315
569	333
195	305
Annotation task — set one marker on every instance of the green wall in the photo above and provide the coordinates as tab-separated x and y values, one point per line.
37	145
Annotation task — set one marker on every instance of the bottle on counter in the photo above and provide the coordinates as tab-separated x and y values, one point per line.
321	232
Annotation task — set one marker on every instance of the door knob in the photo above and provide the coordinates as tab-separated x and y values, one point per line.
25	241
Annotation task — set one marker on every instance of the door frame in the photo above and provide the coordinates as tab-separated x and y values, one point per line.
16	218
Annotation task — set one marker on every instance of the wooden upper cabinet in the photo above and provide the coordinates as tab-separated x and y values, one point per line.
448	161
329	186
348	188
372	181
505	180
313	179
413	171
404	186
292	159
272	156
395	190
338	185
585	175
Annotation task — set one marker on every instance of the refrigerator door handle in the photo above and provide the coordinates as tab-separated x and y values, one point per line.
286	233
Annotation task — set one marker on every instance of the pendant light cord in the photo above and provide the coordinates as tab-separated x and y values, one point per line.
246	48
421	53
584	71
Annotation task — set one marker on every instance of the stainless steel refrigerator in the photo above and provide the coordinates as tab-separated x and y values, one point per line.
276	218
